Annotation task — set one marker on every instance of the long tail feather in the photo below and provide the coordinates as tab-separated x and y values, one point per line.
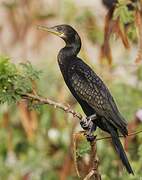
119	148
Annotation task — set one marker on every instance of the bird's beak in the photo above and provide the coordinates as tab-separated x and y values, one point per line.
51	30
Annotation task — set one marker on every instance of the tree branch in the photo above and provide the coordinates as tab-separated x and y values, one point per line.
42	100
67	109
91	173
94	161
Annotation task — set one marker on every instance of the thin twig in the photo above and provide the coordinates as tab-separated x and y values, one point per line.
91	173
139	25
94	161
109	137
75	137
42	100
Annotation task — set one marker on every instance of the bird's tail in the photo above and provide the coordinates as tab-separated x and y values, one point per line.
119	148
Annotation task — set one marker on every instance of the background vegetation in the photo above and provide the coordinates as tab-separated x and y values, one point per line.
36	140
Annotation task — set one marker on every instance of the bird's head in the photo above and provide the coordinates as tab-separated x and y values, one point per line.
66	32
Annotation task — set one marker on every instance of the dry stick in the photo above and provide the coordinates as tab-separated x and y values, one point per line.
139	25
138	20
75	154
68	159
91	173
94	172
94	162
42	100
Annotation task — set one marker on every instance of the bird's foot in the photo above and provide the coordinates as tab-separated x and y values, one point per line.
90	138
89	134
86	122
88	125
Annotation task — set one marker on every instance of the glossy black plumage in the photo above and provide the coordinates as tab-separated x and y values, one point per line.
89	90
86	86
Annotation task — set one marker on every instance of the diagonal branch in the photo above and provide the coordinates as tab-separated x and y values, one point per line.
42	100
67	109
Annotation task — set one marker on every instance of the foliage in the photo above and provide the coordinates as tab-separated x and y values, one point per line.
124	14
83	148
126	17
14	81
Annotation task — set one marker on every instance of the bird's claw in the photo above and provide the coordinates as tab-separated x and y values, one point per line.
88	125
90	137
89	134
86	122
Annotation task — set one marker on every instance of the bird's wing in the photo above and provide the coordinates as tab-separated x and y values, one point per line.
91	89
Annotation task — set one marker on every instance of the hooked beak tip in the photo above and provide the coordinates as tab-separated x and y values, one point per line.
51	30
40	27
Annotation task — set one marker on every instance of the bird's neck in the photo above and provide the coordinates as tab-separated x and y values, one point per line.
70	51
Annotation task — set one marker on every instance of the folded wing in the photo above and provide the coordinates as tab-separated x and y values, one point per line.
89	87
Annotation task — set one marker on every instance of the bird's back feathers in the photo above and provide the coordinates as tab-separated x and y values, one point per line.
89	87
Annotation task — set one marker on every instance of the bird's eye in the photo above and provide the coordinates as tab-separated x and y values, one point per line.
59	28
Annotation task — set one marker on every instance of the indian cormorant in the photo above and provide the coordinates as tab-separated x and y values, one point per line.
90	91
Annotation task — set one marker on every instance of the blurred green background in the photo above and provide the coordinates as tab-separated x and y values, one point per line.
37	144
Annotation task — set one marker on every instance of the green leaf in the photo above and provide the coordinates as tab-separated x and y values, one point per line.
15	80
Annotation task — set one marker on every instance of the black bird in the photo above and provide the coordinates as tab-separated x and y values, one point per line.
90	91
